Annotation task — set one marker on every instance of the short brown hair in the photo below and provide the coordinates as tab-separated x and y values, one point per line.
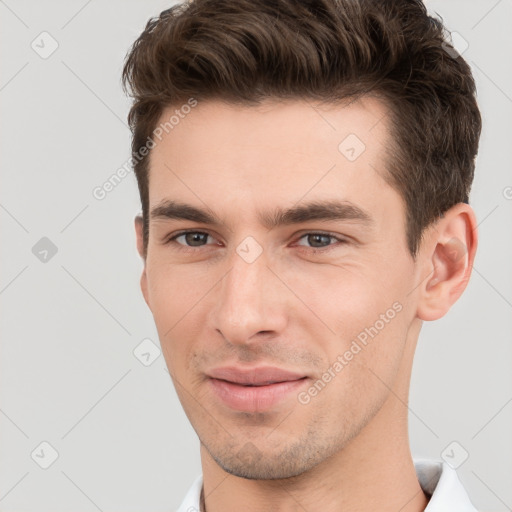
246	51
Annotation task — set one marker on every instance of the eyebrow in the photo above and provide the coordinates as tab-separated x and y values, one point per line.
316	210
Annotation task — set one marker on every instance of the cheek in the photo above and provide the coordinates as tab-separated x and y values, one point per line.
175	304
353	317
364	371
174	290
343	297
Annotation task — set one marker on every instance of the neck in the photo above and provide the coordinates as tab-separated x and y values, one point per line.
374	471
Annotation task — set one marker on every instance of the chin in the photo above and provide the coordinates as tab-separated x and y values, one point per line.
252	464
261	471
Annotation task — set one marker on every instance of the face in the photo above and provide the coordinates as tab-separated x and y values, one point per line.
278	276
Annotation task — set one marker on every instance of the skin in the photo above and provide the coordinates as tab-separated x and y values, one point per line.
348	447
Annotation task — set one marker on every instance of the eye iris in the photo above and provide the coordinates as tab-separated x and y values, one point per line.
193	238
314	239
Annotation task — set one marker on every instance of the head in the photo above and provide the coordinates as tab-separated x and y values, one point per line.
320	155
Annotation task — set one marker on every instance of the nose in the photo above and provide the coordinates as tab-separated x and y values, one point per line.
251	302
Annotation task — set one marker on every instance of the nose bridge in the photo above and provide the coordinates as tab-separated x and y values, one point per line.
247	304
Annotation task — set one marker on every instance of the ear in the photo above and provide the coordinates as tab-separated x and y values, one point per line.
448	254
139	231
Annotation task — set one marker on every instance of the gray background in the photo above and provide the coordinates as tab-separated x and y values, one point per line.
70	323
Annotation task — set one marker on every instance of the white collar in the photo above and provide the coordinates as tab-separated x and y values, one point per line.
437	479
440	481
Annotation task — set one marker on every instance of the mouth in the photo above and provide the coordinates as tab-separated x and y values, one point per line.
254	389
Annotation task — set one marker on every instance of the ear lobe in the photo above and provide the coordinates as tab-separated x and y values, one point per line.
139	227
452	251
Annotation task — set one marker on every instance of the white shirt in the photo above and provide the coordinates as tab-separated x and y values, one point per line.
437	479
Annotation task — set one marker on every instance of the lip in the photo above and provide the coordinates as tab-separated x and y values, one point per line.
253	389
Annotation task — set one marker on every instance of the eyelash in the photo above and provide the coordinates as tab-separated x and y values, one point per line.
313	250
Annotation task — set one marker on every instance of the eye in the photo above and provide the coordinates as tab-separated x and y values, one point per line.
320	240
190	238
196	239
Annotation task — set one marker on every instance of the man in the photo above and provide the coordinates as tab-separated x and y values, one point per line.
304	170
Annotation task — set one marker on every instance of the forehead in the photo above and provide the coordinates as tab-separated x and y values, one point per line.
288	124
273	154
